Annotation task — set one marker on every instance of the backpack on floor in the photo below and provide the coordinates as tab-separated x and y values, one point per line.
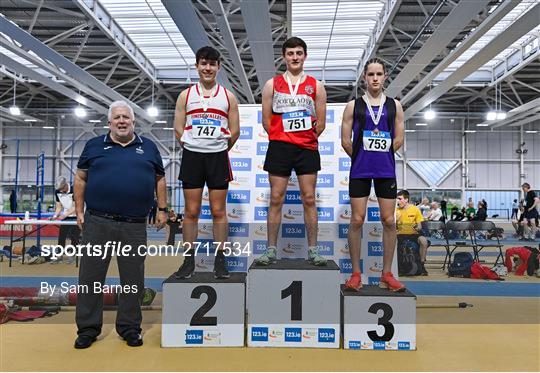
409	258
461	265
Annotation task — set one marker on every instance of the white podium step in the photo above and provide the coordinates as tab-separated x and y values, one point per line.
293	303
204	312
378	319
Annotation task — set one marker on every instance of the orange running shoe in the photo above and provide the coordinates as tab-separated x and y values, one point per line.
354	282
389	282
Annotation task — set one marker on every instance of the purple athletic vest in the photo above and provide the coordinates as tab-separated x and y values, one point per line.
367	164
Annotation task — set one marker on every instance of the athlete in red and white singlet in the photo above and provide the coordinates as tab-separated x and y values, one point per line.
207	120
297	132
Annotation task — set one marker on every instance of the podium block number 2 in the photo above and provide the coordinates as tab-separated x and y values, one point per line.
294	290
384	321
199	318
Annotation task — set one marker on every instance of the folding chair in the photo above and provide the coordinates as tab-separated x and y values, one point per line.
461	242
481	243
431	227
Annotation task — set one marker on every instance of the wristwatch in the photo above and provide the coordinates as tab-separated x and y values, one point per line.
164	209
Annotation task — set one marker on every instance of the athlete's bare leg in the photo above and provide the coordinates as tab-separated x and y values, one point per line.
358	215
307	189
278	188
220	227
192	210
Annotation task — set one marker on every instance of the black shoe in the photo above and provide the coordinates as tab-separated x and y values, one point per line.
84	341
220	266
133	340
186	269
424	272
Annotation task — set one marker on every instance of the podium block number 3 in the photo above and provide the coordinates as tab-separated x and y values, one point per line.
199	318
294	290
384	321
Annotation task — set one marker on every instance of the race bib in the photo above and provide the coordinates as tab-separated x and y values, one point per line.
206	128
377	142
296	121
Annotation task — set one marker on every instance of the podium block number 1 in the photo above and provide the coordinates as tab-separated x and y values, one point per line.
294	290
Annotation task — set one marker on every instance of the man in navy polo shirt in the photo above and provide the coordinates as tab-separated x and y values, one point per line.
118	175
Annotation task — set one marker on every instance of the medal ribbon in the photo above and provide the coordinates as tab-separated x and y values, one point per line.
293	91
376	119
205	102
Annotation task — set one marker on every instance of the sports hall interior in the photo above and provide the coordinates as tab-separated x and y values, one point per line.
465	72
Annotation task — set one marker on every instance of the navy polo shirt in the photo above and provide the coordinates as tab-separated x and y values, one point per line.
121	179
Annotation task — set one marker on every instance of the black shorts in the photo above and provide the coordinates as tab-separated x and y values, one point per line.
283	157
384	188
196	169
533	214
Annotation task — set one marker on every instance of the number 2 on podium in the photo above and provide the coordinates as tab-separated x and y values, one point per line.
199	318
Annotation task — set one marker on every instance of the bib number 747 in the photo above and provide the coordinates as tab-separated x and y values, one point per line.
206	128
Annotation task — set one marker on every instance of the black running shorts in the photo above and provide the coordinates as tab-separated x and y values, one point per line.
283	157
384	188
214	169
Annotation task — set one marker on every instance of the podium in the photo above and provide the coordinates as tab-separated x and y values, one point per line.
377	319
293	303
203	312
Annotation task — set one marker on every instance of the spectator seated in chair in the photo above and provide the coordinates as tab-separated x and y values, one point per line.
408	219
435	213
481	213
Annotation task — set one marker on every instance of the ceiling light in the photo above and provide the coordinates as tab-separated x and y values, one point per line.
14	110
421	124
410	130
531	131
161	121
80	112
106	127
491	115
430	114
470	131
48	127
30	120
482	125
152	111
94	121
168	128
501	115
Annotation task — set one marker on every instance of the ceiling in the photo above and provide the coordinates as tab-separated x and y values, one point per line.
456	56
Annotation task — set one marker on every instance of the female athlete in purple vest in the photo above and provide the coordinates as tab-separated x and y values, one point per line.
377	124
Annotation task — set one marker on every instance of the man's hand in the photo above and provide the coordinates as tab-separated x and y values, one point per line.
61	217
80	220
161	219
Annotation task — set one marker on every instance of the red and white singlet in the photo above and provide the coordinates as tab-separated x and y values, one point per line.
293	115
207	124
